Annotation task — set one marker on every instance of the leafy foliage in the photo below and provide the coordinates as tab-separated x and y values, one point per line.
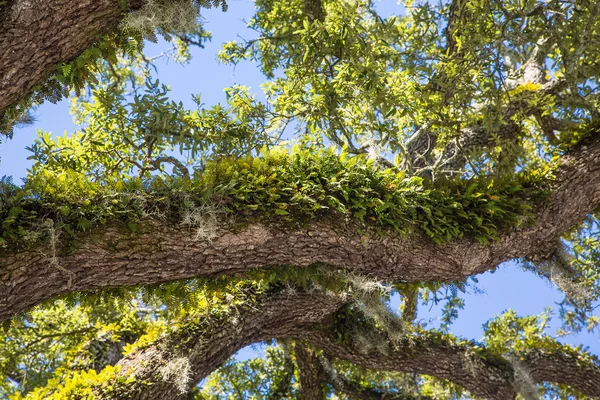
287	187
63	337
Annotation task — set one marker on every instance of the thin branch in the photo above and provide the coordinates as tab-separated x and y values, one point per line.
176	164
410	298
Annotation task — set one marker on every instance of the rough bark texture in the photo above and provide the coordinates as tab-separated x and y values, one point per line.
176	363
114	257
37	35
566	369
437	359
486	378
310	372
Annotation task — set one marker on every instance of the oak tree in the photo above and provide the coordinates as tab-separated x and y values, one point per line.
392	156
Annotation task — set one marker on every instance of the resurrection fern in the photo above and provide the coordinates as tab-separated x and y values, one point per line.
279	186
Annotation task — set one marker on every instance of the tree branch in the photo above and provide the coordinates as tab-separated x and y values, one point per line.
314	10
113	256
483	373
356	391
410	300
421	144
177	165
456	16
455	155
310	371
35	37
171	366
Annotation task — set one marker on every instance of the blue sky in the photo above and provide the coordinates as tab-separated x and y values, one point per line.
508	288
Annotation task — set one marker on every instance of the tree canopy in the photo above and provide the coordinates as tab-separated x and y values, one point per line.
392	156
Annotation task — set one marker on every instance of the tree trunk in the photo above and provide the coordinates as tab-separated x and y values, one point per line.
37	35
310	372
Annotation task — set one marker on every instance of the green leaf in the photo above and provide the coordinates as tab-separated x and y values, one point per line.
132	226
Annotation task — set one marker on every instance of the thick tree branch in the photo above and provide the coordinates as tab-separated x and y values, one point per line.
310	371
171	366
113	256
456	17
483	374
563	368
314	10
36	36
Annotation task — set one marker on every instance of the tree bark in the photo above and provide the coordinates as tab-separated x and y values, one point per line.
174	364
484	376
36	36
115	257
310	372
356	391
